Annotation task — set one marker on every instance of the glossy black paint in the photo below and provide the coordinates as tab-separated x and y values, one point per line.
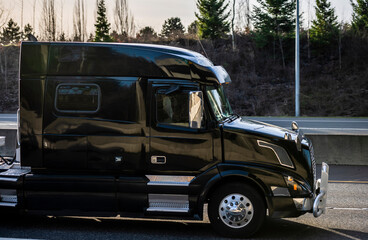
73	155
187	151
240	146
91	141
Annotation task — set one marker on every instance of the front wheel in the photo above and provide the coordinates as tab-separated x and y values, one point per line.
236	210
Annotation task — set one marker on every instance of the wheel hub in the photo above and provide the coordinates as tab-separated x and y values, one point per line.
236	210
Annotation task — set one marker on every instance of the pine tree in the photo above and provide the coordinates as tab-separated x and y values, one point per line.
360	15
62	37
11	33
274	23
212	18
325	29
27	30
147	33
172	28
102	25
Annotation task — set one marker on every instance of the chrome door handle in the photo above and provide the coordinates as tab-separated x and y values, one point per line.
158	159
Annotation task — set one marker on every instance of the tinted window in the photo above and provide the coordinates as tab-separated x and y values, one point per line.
77	98
173	109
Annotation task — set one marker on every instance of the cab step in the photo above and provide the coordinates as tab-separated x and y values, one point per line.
10	180
175	203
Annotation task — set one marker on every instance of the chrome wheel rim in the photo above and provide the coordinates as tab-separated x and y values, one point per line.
236	210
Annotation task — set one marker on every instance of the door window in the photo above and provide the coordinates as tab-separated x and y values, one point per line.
173	109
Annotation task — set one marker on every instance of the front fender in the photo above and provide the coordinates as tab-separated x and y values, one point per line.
258	176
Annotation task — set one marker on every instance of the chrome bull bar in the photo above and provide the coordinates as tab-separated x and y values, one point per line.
319	205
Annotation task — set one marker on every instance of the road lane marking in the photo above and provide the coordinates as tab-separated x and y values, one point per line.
340	233
335	181
1	238
350	209
340	129
306	120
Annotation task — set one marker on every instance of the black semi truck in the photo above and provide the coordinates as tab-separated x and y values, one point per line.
147	131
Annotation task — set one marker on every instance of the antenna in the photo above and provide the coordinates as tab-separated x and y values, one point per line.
200	43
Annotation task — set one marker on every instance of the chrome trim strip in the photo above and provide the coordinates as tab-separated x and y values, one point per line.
163	209
169	180
168	184
8	179
6	204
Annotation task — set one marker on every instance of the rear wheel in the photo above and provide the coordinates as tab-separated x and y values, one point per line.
236	210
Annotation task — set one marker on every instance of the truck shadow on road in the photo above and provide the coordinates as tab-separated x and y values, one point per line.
36	227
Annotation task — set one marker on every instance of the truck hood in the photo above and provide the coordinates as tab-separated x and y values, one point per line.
257	128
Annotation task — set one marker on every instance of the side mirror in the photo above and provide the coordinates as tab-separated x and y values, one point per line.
195	109
294	126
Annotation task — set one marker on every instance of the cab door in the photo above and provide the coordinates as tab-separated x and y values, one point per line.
175	148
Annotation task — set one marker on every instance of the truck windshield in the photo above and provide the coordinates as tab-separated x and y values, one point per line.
219	103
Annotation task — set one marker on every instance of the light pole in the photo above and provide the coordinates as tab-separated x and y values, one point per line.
297	64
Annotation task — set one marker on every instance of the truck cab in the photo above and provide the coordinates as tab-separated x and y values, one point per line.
147	131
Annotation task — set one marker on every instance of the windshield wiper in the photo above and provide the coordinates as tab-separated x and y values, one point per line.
231	118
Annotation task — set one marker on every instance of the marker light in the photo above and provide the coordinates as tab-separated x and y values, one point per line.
297	187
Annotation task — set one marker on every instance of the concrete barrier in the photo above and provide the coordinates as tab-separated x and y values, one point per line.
340	149
333	149
8	149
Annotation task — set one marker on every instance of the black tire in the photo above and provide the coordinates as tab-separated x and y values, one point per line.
236	210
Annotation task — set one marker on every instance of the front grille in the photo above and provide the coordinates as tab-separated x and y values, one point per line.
313	161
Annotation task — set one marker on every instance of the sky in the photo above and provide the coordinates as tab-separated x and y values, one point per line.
146	12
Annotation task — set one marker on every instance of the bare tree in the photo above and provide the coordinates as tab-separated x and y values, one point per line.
79	21
61	17
34	13
21	13
232	26
308	32
48	20
4	15
243	15
124	19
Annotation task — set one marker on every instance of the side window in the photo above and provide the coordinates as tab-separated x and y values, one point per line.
77	98
173	108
